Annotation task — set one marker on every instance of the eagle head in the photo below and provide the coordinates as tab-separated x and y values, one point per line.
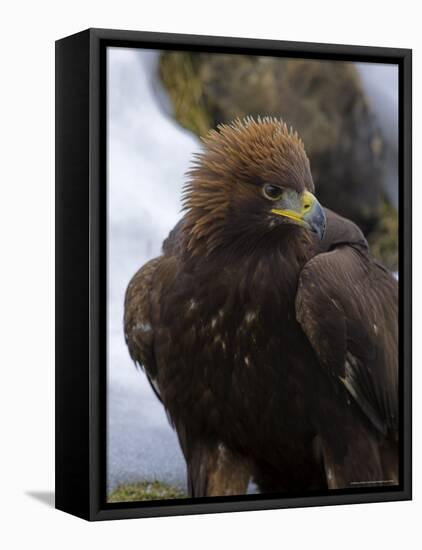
252	181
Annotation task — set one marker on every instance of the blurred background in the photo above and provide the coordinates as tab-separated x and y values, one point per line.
158	105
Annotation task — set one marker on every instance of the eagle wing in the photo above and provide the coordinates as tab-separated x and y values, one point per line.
347	305
138	324
141	301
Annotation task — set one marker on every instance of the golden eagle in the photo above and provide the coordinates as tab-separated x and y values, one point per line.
266	328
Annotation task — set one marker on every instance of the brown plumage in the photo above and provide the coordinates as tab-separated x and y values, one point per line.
266	328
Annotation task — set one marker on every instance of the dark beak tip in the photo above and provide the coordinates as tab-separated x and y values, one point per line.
318	222
318	232
321	231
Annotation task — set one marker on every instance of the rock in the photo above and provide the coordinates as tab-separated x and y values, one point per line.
323	100
384	237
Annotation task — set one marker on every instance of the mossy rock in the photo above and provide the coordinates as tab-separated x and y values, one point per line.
384	238
184	87
324	101
145	490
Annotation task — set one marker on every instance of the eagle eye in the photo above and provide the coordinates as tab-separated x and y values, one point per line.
272	192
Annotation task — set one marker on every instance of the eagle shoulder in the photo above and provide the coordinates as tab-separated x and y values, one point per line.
346	304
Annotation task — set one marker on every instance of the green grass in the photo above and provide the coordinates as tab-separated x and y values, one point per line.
145	490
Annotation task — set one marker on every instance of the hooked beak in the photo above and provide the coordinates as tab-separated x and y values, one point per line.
305	210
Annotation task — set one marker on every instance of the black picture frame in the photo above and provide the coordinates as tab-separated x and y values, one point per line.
81	236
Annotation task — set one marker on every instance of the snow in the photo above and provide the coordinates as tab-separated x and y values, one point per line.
381	85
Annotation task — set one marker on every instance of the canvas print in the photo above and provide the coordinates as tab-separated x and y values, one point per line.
252	275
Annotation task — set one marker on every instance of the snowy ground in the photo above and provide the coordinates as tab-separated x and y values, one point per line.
148	157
